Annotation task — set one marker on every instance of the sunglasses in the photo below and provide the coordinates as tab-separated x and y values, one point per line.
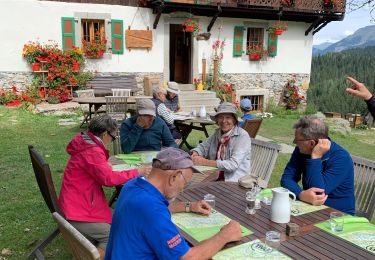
113	137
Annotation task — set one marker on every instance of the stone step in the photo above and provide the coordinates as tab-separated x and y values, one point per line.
200	102
186	87
196	94
190	108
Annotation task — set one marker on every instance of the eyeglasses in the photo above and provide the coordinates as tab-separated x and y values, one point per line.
303	140
113	137
185	181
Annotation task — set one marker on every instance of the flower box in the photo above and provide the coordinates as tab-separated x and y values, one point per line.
255	57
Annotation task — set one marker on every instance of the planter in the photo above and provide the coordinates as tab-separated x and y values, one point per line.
291	106
36	66
200	87
189	28
76	67
278	32
255	57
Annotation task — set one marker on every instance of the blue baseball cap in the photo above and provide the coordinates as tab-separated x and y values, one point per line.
245	104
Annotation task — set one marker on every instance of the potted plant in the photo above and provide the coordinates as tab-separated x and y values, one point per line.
257	52
278	28
31	52
226	92
76	56
94	49
292	98
198	84
191	25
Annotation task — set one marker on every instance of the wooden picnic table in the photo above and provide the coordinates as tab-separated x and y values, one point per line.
186	126
98	102
311	243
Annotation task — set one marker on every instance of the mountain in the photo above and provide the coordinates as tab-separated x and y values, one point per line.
318	49
362	38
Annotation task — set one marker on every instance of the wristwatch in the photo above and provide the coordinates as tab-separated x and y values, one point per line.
187	206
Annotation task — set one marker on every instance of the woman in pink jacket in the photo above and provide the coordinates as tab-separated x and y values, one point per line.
81	197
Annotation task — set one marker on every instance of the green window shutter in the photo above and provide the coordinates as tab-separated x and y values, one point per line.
117	37
272	44
68	32
238	41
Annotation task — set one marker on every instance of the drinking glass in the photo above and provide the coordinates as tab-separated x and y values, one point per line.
273	239
257	190
250	202
210	199
336	221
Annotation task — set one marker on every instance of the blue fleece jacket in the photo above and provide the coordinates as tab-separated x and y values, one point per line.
246	117
135	138
334	173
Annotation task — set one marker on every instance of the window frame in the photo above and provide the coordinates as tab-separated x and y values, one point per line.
257	102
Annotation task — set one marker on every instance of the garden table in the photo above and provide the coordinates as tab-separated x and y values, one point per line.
311	243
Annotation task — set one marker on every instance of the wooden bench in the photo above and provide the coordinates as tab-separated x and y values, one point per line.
103	85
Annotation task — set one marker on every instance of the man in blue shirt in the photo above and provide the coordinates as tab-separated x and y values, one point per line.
325	168
145	131
246	107
142	227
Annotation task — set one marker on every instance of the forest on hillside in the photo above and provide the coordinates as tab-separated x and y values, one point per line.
328	80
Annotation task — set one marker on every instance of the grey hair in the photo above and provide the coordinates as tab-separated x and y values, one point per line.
312	127
100	124
157	90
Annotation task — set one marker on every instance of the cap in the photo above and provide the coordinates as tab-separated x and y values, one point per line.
173	159
225	108
245	104
173	87
146	107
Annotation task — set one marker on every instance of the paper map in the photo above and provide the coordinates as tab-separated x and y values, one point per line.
250	250
202	168
122	167
357	230
297	207
202	227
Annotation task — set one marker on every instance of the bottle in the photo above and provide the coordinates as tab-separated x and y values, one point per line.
202	112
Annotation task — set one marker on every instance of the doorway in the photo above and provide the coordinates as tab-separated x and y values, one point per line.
179	54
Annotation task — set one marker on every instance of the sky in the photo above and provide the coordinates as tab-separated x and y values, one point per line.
336	31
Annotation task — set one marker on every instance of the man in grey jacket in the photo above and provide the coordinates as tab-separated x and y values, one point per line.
228	149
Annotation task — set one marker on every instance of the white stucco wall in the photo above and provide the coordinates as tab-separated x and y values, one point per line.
27	20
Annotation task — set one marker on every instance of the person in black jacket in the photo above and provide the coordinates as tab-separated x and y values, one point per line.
358	89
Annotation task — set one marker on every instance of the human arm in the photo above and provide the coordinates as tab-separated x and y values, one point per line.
97	166
130	134
203	148
166	136
165	115
292	174
209	247
200	207
358	89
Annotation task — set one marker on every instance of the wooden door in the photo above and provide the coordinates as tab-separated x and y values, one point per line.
180	54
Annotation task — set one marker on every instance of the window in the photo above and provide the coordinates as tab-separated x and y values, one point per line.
254	37
256	101
91	28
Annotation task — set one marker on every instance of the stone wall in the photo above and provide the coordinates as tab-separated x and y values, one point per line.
272	82
23	79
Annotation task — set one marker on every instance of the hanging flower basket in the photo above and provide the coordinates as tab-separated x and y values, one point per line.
278	28
36	66
278	32
191	26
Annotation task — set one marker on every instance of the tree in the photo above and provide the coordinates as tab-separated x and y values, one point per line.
354	5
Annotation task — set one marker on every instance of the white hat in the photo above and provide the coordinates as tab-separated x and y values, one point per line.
146	107
225	108
173	87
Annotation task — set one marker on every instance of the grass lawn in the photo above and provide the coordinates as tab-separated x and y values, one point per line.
24	216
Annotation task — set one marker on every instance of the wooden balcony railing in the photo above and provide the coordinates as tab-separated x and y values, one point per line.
310	6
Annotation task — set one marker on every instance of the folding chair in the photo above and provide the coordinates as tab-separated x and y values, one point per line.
252	126
44	179
80	247
120	92
116	107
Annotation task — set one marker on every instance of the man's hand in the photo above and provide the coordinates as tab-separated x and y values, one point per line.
320	148
145	170
201	207
314	196
143	122
358	89
231	231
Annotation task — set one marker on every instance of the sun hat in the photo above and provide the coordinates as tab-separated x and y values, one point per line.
173	87
245	104
173	158
225	108
146	107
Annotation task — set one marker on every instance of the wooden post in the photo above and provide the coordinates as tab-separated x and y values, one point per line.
203	71
216	73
